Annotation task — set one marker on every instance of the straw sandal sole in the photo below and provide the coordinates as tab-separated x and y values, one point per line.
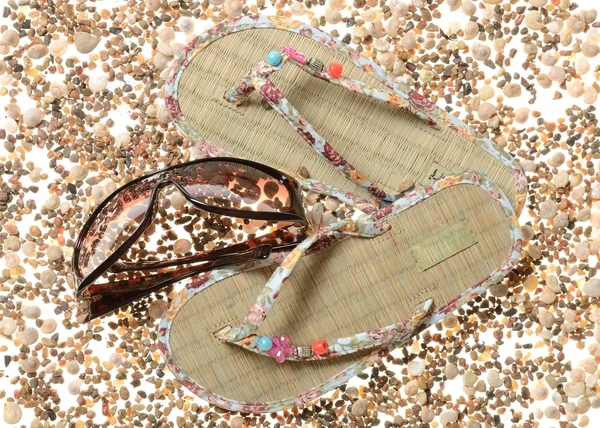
387	144
353	286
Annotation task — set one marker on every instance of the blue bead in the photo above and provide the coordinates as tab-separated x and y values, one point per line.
274	58
265	343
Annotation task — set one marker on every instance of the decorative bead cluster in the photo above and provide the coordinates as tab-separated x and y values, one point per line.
280	348
335	69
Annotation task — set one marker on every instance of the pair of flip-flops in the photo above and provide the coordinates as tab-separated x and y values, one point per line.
282	331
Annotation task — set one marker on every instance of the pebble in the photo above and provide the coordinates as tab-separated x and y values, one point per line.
469	378
157	308
533	20
115	359
552	412
237	422
493	378
12	260
85	42
52	203
37	51
359	407
74	387
557	159
530	283
182	246
12	413
450	371
556	74
58	47
592	287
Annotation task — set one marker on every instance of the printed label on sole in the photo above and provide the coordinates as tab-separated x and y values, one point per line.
443	245
434	172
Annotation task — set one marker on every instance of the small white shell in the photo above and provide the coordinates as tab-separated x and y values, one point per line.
33	117
98	84
160	61
337	4
186	24
58	47
10	37
233	8
100	129
8	326
32	312
166	34
152	5
58	89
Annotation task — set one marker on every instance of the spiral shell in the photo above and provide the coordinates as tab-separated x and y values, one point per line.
58	89
186	24
160	61
30	365
58	47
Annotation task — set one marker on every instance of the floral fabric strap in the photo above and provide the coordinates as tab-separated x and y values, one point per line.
257	78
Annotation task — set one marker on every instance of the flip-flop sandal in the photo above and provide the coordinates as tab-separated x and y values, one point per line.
345	306
384	149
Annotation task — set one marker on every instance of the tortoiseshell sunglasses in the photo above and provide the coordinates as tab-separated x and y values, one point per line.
228	187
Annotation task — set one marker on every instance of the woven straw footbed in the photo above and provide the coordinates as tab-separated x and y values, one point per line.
356	285
384	142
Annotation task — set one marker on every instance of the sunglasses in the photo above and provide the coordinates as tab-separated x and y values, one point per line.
241	211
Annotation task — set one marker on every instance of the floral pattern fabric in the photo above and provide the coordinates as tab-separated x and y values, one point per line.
416	196
417	102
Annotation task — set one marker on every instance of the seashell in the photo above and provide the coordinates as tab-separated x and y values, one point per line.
216	2
100	129
368	15
381	45
186	24
549	58
3	67
376	29
589	16
37	51
162	114
48	326
468	8
481	52
387	60
32	312
97	84
332	16
29	365
492	1
85	42
575	88
486	92
164	49
471	30
337	4
152	5
538	3
486	111
122	140
10	125
10	37
58	89
58	47
453	4
12	413
33	117
590	50
593	35
72	367
8	326
298	9
360	31
555	26
391	26
590	95
30	336
166	34
556	74
160	61
177	47
521	115
409	41
4	48
398	8
13	110
156	309
544	80
74	386
115	358
233	8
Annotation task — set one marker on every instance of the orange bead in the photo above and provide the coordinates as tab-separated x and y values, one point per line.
335	69
320	347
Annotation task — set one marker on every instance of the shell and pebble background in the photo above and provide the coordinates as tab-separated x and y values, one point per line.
81	85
